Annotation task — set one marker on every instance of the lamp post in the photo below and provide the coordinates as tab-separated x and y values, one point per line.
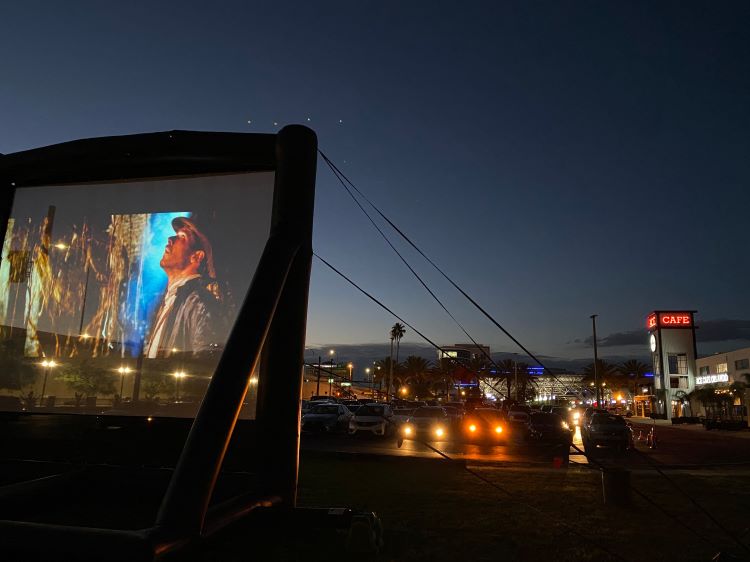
317	386
350	367
596	361
179	375
372	384
123	371
47	364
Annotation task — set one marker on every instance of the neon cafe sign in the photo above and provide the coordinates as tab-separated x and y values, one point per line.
669	320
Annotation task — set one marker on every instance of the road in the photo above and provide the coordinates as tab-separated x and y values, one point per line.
676	446
511	451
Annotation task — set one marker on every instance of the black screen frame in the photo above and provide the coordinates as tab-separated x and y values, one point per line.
272	319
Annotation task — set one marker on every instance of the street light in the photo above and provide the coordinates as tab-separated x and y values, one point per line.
350	367
596	360
179	375
123	371
372	382
47	364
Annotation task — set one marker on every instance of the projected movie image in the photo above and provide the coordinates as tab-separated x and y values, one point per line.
121	296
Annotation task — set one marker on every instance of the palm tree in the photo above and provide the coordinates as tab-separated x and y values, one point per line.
605	372
397	332
634	370
523	380
444	370
417	375
507	368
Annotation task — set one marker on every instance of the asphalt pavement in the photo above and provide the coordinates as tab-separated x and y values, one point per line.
677	446
509	451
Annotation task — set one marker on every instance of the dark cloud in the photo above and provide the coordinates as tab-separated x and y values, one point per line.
723	330
707	331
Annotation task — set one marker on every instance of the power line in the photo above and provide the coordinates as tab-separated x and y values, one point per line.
338	173
410	268
384	307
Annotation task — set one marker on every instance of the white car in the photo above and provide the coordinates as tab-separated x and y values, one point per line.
326	417
373	418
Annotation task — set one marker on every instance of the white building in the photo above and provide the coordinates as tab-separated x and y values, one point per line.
726	367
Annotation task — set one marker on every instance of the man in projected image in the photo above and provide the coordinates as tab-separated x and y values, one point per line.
185	320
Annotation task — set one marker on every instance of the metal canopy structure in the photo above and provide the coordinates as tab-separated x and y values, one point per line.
93	493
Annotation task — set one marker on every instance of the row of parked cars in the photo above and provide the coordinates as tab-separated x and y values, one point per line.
452	420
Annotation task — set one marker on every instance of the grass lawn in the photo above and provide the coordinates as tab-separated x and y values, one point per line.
438	511
435	511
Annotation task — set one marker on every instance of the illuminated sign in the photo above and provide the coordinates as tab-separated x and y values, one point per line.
707	379
669	320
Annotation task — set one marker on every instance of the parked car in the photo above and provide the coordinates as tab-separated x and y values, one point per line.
548	428
427	421
374	418
567	415
485	425
326	417
590	411
519	414
607	430
401	415
454	414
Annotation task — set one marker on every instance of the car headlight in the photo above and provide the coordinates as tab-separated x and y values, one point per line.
498	429
472	428
565	425
439	431
576	415
408	430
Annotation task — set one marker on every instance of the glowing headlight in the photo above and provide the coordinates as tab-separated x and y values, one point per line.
576	415
439	432
565	425
472	428
407	430
498	429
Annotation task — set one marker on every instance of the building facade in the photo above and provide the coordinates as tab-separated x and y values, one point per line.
671	336
724	368
464	351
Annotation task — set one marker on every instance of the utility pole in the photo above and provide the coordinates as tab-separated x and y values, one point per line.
596	361
317	386
515	370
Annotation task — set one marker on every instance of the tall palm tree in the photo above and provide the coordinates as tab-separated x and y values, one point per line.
397	332
523	380
507	366
380	372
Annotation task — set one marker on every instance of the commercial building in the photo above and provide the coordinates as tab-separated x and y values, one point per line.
671	337
464	351
724	368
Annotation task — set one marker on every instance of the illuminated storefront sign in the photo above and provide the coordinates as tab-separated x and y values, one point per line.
708	379
669	320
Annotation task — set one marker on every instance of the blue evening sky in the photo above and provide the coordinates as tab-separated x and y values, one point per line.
558	159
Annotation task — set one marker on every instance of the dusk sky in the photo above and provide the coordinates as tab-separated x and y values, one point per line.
557	159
